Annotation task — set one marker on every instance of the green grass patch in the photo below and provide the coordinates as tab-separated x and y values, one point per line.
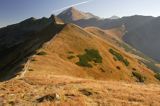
119	57
90	55
126	62
139	77
157	76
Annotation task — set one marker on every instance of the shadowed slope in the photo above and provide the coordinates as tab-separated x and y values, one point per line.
14	56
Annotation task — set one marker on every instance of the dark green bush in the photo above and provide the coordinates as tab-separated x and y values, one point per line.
83	61
157	76
90	55
94	55
118	56
41	53
125	61
140	77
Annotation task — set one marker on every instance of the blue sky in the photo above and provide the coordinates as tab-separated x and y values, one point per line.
13	11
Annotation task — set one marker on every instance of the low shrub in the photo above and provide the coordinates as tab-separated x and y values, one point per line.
157	76
94	55
140	77
125	61
119	57
83	61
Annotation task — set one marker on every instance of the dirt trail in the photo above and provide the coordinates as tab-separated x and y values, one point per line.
25	69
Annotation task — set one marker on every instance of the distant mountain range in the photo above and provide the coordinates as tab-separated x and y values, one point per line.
142	32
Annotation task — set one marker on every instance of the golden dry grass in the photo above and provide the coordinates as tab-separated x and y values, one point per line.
75	39
53	73
102	93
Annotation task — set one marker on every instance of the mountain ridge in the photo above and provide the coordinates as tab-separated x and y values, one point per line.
138	25
14	51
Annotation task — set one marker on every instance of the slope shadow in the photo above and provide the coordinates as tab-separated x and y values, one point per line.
13	58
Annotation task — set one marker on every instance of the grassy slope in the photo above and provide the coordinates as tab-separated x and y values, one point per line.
74	39
114	36
50	71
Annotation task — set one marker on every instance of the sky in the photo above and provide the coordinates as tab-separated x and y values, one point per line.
13	11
